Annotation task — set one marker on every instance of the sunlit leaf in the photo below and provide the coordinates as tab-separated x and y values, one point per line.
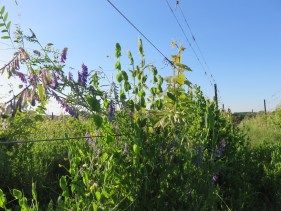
117	50
2	10
40	92
17	194
8	25
118	65
5	17
5	37
119	77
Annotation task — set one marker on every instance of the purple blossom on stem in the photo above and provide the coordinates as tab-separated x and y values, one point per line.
54	83
21	76
63	103
219	150
63	55
111	110
84	75
70	76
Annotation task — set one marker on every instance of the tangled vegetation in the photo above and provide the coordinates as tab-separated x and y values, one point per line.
147	143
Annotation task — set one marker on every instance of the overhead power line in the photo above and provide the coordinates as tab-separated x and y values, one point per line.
138	30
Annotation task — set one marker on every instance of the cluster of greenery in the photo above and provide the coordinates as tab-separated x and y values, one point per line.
149	143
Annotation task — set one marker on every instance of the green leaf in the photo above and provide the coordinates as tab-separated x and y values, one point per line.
5	37
2	24
118	65
4	30
95	80
40	92
98	195
94	103
142	102
141	48
97	119
130	57
5	17
2	10
63	185
95	206
17	194
188	83
125	75
136	149
2	199
8	25
34	194
171	96
180	79
159	104
119	77
20	86
127	86
117	50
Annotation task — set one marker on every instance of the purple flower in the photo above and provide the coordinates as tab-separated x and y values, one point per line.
63	55
111	110
21	76
219	151
63	103
84	75
70	76
54	83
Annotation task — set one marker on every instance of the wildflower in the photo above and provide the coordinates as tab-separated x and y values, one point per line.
70	76
63	55
21	76
111	110
54	82
63	103
84	75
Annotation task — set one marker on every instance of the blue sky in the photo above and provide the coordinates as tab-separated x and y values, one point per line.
240	40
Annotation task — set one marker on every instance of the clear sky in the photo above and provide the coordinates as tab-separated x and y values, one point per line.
240	40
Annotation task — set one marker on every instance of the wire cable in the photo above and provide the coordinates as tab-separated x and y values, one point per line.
150	42
57	139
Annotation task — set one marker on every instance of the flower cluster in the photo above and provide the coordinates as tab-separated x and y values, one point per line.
111	110
63	55
54	82
63	103
83	76
21	76
70	76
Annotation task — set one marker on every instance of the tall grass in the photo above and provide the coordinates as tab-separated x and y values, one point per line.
264	128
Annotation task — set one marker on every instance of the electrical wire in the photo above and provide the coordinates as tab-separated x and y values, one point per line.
57	139
138	30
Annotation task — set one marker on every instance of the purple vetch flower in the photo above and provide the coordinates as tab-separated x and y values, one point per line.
63	55
84	75
111	110
21	76
66	107
54	82
70	76
219	150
